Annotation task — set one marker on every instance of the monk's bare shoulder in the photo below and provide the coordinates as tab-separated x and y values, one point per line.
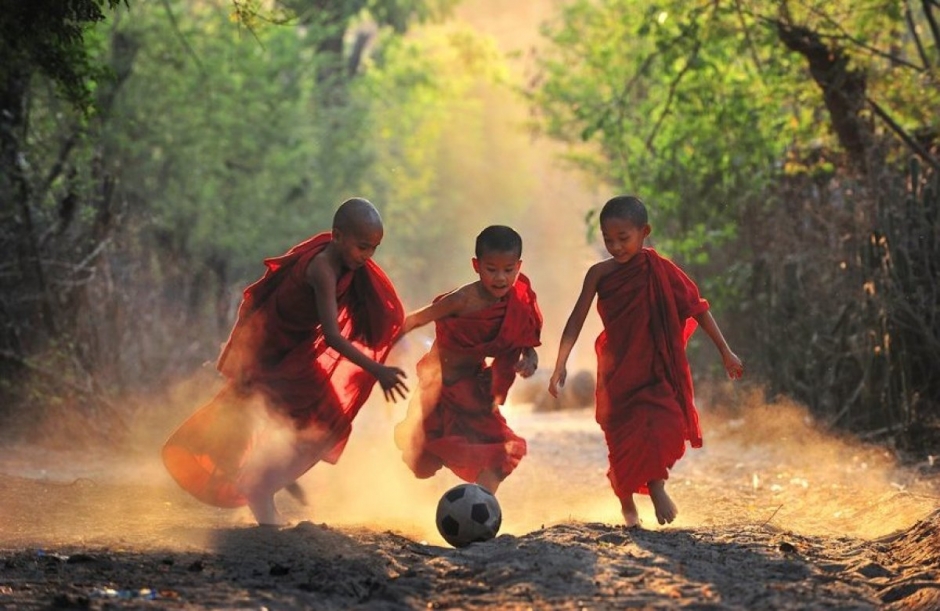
598	271
463	299
320	273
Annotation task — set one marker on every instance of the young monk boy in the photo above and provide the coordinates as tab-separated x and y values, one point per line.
453	419
309	343
649	308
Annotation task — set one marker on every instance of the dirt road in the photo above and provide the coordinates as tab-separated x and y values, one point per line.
773	514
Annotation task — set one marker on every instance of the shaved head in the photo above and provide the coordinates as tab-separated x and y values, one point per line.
626	207
498	238
355	215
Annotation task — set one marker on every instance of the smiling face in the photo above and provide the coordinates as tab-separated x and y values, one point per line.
623	238
498	271
357	245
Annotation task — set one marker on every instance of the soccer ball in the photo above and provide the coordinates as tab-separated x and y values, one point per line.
468	513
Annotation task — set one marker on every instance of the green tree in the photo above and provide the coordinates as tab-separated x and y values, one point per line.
771	139
38	40
699	104
195	147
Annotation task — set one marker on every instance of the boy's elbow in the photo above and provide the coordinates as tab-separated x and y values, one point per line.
332	338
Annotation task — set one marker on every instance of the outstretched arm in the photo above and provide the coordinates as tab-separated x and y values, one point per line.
447	305
573	329
321	276
732	363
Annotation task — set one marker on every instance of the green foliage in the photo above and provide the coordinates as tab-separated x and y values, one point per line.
769	137
49	38
237	149
696	107
231	147
677	121
402	14
210	147
217	135
399	15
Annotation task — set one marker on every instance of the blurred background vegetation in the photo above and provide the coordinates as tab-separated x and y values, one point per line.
153	152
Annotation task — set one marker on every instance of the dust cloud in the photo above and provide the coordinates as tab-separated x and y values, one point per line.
764	463
550	198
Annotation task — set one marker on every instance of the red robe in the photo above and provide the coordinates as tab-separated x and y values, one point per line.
277	362
644	386
459	425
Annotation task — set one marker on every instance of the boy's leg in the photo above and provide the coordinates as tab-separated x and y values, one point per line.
271	466
631	516
490	479
666	510
266	514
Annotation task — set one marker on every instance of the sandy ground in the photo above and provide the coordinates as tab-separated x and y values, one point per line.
773	514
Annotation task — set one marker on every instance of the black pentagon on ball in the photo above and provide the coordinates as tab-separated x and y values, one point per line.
455	493
450	526
479	513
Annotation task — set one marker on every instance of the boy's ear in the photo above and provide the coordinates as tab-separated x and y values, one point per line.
647	229
476	265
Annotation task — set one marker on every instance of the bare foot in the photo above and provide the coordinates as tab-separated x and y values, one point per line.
265	512
631	517
666	510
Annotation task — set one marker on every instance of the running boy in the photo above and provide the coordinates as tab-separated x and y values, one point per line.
649	308
453	419
310	342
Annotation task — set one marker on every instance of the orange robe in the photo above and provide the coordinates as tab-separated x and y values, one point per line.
278	366
460	425
644	386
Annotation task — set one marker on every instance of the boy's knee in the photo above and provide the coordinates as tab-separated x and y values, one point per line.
425	467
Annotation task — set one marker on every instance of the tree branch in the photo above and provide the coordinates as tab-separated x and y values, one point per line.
750	42
844	35
179	34
56	168
673	86
912	28
913	144
843	88
929	5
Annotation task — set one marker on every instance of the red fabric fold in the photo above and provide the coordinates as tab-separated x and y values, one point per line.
279	367
460	425
645	402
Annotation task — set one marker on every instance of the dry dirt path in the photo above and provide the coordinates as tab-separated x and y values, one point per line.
773	515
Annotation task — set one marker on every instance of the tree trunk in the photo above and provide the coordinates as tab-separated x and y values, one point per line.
843	89
16	195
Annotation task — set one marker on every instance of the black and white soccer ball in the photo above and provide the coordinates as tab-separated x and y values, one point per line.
468	513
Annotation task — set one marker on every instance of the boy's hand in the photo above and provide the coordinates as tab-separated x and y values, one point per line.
557	381
392	380
528	363
733	365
